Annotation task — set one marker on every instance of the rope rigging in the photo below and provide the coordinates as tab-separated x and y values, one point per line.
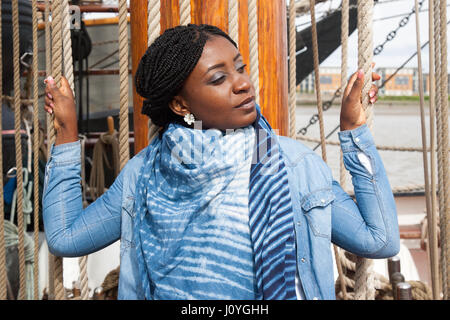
365	285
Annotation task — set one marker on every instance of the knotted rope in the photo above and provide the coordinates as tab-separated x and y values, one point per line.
364	286
18	147
253	38
292	69
3	276
123	70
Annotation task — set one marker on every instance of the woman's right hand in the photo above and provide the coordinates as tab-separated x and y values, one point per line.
60	102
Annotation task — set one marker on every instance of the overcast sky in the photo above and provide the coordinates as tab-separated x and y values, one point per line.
387	15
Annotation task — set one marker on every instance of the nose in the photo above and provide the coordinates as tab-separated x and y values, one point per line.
242	83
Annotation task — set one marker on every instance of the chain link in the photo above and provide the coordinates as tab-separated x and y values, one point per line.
391	35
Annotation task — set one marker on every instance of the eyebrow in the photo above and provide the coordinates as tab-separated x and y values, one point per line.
220	65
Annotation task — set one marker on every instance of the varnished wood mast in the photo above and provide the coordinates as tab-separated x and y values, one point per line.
273	73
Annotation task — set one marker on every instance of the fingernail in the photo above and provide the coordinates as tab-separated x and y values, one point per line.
50	96
52	105
50	80
372	100
360	74
50	111
371	93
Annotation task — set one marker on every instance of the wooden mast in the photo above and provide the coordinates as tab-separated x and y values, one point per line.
273	72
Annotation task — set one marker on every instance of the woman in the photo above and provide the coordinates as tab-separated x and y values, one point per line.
221	207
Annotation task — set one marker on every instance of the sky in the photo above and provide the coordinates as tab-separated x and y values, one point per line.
386	17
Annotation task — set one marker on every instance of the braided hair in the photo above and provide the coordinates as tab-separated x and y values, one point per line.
165	66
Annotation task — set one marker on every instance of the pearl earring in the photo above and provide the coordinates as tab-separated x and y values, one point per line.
189	118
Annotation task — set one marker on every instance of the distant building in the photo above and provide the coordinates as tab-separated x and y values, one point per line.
404	83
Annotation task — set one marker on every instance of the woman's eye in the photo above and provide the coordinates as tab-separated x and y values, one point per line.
218	80
242	68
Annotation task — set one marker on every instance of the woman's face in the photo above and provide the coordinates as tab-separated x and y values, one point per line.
218	91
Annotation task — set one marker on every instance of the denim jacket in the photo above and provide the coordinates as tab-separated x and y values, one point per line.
323	212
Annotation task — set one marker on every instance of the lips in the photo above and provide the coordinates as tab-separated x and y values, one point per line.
246	103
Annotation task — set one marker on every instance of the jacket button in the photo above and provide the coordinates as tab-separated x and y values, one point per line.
322	200
303	260
299	223
357	139
315	298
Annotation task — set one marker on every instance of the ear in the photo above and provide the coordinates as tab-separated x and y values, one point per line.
178	106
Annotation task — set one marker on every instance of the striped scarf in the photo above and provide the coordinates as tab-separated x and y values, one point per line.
211	221
271	217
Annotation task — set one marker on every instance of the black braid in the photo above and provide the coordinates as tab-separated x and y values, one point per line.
165	66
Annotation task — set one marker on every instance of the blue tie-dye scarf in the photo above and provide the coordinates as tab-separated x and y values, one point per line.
214	219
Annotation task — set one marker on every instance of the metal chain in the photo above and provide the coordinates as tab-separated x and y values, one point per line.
378	49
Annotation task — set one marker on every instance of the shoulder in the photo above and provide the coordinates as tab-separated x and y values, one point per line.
304	164
295	152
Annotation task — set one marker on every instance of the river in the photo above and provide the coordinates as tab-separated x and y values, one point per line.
395	124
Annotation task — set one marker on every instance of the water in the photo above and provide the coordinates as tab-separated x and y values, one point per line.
394	125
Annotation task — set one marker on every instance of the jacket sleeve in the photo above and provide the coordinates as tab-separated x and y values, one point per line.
369	226
70	230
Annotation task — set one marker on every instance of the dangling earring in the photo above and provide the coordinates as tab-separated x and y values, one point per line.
189	118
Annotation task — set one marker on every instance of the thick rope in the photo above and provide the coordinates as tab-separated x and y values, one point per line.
292	69
67	45
35	152
365	52
124	145
432	227
253	39
57	61
185	12
18	144
233	20
154	30
344	66
364	288
383	289
50	131
3	275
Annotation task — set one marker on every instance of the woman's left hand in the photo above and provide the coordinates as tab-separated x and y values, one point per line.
352	112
